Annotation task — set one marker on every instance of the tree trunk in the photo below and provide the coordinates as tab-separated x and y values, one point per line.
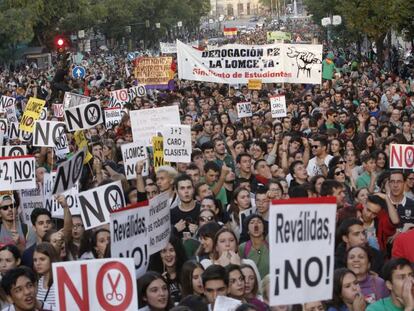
359	46
379	43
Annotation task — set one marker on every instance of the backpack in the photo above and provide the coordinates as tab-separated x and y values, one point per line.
249	245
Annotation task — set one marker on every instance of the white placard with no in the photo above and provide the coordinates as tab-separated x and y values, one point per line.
244	110
131	154
17	173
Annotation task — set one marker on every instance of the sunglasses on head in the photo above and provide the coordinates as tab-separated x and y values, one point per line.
6	207
206	218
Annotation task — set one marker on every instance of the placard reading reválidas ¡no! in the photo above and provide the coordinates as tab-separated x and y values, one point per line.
301	242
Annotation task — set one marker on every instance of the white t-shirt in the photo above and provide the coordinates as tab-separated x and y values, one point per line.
314	169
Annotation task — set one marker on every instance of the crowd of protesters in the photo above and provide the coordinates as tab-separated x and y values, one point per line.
334	141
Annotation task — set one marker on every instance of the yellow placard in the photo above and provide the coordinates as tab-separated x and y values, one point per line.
254	84
31	114
154	70
158	149
82	142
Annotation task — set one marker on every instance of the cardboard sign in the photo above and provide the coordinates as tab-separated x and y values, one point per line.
29	200
73	100
254	84
159	227
13	151
96	204
154	70
50	134
137	91
15	133
401	156
301	242
146	123
69	173
158	150
278	106
51	204
131	154
31	114
244	110
82	143
113	117
177	143
129	235
84	116
99	284
17	173
8	105
57	110
120	96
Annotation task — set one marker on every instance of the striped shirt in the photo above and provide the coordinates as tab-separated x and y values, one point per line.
46	295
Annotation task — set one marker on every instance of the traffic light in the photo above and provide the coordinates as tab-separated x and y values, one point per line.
61	44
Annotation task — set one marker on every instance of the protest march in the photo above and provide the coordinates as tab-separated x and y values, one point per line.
264	173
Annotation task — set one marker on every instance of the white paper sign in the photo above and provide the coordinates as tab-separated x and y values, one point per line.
278	106
84	116
131	154
146	123
72	100
29	200
96	204
8	105
301	242
13	132
113	117
98	284
224	303
119	96
159	227
13	151
57	110
17	173
69	173
401	156
129	235
244	110
177	143
50	134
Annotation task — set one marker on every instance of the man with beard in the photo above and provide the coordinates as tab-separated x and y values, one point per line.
184	217
257	247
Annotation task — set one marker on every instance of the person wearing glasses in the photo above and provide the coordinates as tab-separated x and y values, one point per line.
351	232
318	165
12	230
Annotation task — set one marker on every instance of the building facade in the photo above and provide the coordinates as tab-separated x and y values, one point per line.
237	8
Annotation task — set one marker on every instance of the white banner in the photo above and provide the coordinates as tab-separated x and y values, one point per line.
301	242
96	204
84	116
131	154
29	200
17	173
50	134
236	63
13	151
244	110
146	123
278	106
113	117
98	284
129	235
8	105
52	205
159	227
401	156
177	143
72	100
68	173
168	48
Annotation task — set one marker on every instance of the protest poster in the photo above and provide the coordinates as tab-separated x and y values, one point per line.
98	284
154	70
254	84
120	97
278	106
57	110
137	91
177	143
43	114
29	200
96	204
273	36
401	156
224	303
84	116
301	242
13	151
17	173
129	235
244	110
237	64
51	204
68	173
8	105
131	154
158	151
71	100
82	143
147	123
50	134
243	214
113	117
3	127
13	132
159	227
31	114
168	48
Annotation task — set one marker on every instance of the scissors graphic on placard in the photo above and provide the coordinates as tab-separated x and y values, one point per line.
114	293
